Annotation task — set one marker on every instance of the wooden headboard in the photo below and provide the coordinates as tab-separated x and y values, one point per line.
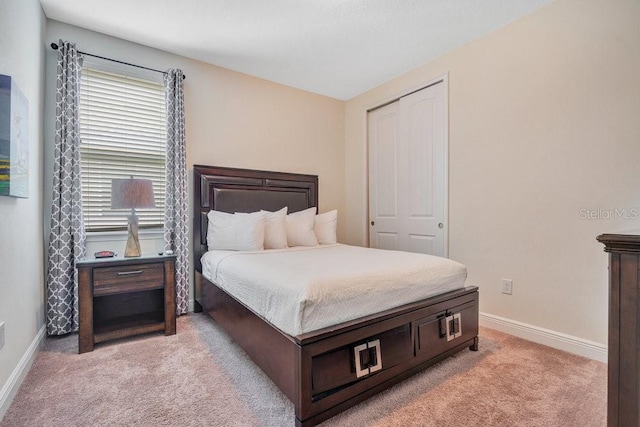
245	190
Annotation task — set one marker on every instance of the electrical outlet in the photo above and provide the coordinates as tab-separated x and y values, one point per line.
507	286
1	335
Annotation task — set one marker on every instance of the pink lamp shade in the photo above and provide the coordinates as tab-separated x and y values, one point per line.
132	193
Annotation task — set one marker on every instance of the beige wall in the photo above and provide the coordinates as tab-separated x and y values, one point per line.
21	265
232	120
543	122
241	121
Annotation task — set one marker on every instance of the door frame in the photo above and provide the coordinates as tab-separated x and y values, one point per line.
444	78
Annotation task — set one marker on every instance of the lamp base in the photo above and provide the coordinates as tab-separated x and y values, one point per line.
133	245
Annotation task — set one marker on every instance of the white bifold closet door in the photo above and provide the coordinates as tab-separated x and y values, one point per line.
407	173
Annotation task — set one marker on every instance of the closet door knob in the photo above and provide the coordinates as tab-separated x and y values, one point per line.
440	225
373	223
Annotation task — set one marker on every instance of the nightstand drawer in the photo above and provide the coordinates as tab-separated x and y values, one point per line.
127	278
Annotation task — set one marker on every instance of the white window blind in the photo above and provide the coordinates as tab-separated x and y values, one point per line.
123	133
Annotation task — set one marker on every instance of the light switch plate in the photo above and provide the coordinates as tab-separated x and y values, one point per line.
507	286
1	335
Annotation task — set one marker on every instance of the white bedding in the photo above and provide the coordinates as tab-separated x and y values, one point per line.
303	289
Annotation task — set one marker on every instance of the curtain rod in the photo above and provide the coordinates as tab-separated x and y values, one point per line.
406	94
54	46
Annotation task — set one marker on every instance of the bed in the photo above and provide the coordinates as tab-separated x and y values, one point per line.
323	368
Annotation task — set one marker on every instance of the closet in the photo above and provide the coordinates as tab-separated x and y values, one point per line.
407	143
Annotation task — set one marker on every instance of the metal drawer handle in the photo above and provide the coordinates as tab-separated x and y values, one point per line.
371	352
127	273
453	326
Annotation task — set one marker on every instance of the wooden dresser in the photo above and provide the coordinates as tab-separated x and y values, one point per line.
623	405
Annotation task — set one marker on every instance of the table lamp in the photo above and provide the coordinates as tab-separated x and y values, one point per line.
131	194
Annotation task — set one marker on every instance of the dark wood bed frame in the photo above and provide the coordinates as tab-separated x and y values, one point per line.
317	370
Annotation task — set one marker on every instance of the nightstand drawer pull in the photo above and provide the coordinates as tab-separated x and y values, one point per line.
127	273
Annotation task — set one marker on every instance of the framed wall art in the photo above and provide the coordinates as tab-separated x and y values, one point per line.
14	140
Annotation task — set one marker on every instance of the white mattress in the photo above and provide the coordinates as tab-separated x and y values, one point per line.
304	289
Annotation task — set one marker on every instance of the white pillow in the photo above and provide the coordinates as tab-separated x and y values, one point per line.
235	232
325	227
275	231
300	228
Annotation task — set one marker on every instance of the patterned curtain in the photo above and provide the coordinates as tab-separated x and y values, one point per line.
176	214
67	236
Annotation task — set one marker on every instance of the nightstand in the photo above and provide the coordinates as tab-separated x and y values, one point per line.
120	297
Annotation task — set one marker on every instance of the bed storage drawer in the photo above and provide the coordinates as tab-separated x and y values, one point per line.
361	359
440	332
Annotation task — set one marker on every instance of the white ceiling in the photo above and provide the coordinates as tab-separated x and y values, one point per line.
338	48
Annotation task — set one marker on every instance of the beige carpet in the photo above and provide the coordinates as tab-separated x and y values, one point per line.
199	378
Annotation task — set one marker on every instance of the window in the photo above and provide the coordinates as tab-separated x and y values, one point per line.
123	133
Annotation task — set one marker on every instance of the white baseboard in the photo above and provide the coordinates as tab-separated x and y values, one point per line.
571	344
10	388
